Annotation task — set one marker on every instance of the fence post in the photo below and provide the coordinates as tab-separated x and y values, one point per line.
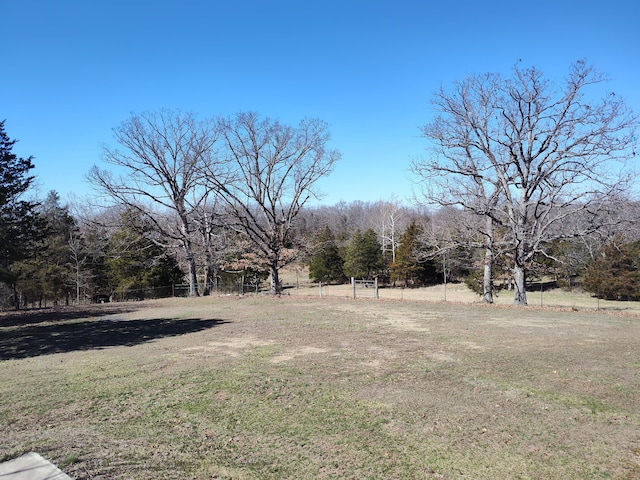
375	285
320	284
353	286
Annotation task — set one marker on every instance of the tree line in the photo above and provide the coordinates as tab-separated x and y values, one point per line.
82	257
523	179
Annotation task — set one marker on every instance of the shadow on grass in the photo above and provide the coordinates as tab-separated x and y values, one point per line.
61	314
34	339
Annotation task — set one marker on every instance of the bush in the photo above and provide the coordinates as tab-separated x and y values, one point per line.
615	275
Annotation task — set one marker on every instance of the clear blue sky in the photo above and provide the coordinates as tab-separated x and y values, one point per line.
74	69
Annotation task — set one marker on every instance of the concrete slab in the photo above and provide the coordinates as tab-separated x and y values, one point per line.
31	466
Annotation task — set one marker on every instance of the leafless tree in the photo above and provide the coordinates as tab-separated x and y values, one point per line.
391	219
89	243
160	164
462	181
530	154
78	263
213	243
274	168
449	236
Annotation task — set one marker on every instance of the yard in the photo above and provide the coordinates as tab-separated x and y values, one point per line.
316	388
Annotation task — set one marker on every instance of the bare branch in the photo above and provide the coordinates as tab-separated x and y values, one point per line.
528	155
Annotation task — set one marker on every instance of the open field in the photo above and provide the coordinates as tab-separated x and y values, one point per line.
460	293
306	388
298	284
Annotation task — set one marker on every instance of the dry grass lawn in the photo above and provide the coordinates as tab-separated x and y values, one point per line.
307	388
460	293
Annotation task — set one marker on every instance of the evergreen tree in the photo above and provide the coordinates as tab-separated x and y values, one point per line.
47	273
407	268
363	258
326	264
615	275
136	267
20	226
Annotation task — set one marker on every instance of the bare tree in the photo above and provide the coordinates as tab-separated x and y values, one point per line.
462	180
541	153
78	263
391	219
274	168
449	236
213	240
161	162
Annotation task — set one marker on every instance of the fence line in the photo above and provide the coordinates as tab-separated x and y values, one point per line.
355	289
367	289
457	293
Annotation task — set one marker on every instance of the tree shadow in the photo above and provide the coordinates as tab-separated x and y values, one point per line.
543	286
61	314
36	339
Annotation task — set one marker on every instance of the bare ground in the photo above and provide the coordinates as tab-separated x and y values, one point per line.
322	388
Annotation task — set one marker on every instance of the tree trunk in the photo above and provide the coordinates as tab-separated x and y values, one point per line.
209	276
520	290
77	288
16	300
191	258
487	280
193	276
276	288
519	272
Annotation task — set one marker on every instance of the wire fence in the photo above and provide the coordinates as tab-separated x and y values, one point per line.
8	296
356	289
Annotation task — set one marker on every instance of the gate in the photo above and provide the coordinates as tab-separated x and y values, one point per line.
359	288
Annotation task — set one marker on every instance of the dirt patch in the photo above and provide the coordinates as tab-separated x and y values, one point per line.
230	346
299	352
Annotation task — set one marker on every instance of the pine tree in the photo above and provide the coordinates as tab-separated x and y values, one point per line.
615	275
326	263
20	225
364	258
136	267
406	267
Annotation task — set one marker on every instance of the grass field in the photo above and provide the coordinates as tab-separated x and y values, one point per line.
306	388
460	293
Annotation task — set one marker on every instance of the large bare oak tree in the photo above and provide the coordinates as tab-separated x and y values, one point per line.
160	163
273	170
528	155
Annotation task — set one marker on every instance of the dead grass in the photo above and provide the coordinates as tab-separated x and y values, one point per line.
460	293
268	388
297	281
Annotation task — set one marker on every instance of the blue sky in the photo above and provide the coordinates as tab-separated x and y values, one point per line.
75	69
